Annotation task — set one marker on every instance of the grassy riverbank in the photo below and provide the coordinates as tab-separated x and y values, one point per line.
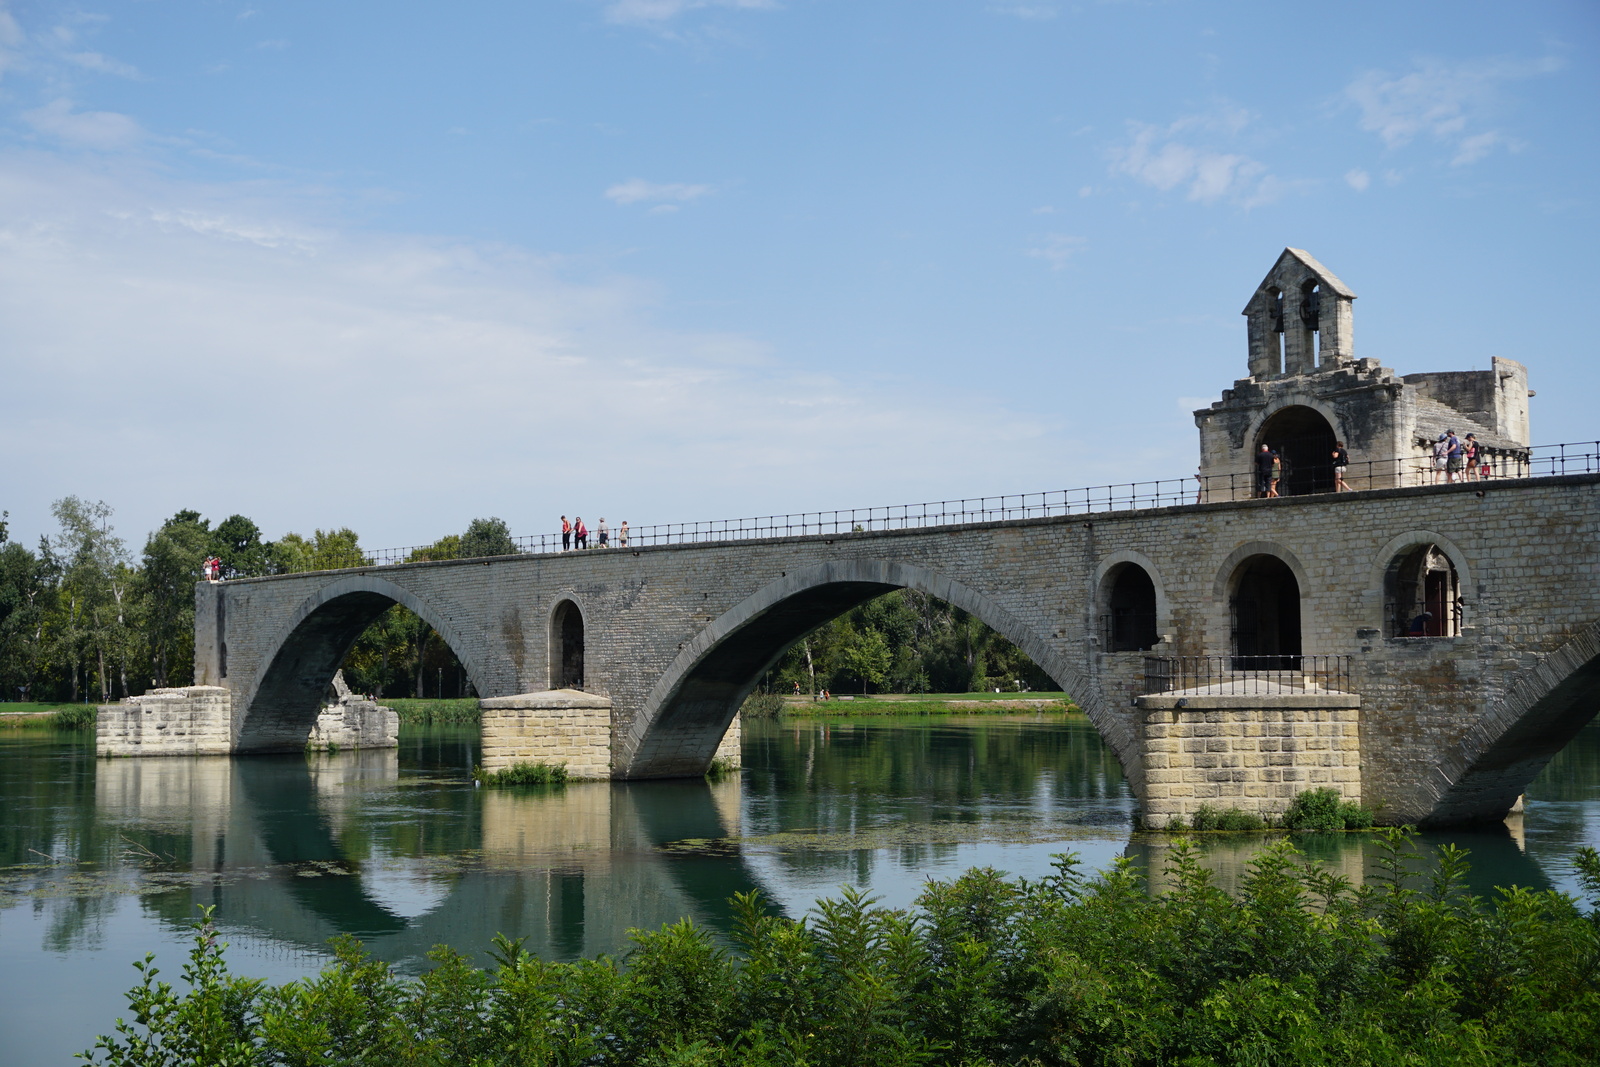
1300	968
768	706
27	715
412	712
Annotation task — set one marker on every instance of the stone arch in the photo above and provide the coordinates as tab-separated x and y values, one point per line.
688	710
1385	575
566	645
1394	552
1304	435
1480	779
1107	576
280	707
1263	585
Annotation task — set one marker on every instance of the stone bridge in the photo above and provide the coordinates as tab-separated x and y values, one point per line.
1437	729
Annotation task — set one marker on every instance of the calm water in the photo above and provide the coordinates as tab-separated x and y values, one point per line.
102	861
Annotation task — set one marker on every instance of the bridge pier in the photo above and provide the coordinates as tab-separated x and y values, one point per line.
1254	752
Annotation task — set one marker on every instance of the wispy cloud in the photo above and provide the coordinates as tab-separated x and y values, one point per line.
668	195
1448	103
658	12
1177	156
1057	249
1358	179
87	129
104	64
1029	12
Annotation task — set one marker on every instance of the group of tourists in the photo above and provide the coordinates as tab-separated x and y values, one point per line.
575	534
1456	459
1270	469
211	569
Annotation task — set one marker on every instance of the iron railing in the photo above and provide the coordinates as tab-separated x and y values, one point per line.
1246	675
1539	461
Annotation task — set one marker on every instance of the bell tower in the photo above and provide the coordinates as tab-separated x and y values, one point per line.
1300	319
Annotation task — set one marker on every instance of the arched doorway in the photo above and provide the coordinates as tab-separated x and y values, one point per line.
1422	594
1266	615
566	647
1303	438
1129	621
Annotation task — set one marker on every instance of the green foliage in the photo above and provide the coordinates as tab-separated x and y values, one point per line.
1300	968
487	537
438	712
524	774
78	717
1322	810
760	705
326	550
1231	819
721	768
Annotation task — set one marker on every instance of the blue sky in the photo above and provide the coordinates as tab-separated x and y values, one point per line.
396	265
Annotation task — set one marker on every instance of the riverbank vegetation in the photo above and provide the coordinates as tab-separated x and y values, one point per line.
48	716
529	773
1300	967
460	712
771	705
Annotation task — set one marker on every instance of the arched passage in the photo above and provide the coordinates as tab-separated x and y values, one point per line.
280	708
686	713
1128	622
566	646
1265	607
1305	440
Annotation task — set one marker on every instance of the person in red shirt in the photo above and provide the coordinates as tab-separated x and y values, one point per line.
566	534
580	532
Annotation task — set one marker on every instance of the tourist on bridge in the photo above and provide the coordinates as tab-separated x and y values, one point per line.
1470	451
566	534
1277	473
604	531
1265	459
622	534
580	532
1453	457
1341	462
1441	457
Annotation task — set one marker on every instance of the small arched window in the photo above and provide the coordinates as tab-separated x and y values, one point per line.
1423	594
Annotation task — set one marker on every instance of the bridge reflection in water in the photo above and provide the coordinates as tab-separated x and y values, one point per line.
295	851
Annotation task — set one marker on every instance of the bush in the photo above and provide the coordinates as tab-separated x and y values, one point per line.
1232	819
461	712
524	774
1322	810
79	717
762	706
1300	968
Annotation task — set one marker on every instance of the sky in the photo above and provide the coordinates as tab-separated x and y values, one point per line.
394	266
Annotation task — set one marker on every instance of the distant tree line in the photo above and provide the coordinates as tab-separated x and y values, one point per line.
83	618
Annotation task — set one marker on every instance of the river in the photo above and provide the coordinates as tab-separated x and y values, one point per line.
102	861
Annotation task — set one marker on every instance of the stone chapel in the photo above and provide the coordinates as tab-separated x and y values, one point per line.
1307	389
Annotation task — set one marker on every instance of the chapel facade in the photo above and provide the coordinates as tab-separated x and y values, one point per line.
1307	389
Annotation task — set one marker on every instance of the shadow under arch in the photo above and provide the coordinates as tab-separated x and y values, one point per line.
685	715
1514	741
280	709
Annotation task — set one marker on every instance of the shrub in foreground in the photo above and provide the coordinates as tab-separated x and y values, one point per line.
1299	968
1322	809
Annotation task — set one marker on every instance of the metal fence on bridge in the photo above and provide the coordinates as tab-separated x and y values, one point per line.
1536	462
1246	675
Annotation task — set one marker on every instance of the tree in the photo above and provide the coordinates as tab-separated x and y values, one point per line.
237	543
327	550
26	594
96	576
172	559
487	537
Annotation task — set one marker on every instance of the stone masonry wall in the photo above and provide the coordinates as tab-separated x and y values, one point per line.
1527	553
355	723
562	726
192	721
1248	752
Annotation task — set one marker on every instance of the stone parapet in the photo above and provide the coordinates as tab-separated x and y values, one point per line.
196	720
1252	752
558	726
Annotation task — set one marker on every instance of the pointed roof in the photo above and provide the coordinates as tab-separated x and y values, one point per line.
1329	279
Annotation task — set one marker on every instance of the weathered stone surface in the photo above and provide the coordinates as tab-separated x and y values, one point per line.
558	727
192	721
1251	751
